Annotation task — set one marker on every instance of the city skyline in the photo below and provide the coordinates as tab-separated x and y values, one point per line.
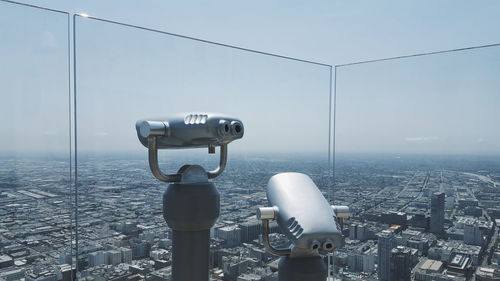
106	184
410	145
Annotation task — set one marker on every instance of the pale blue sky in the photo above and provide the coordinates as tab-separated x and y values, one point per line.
438	104
332	32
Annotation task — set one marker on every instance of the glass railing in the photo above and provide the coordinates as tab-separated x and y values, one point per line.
416	149
408	128
36	197
59	136
125	73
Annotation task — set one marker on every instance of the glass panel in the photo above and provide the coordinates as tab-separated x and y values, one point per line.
35	194
125	74
407	128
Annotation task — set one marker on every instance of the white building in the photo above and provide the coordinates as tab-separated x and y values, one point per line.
126	255
363	259
98	258
114	257
160	254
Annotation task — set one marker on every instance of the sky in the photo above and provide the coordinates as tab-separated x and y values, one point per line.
124	75
439	104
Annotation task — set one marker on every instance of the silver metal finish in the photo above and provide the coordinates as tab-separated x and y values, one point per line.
304	215
267	244
156	171
155	167
341	211
190	130
222	163
266	213
153	128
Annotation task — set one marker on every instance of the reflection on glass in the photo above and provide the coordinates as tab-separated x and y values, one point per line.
418	162
126	74
35	212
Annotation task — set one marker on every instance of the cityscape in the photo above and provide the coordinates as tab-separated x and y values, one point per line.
390	107
413	217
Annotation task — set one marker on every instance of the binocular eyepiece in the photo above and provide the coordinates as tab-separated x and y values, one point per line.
190	130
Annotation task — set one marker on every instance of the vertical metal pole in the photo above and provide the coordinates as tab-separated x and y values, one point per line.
300	269
190	255
190	208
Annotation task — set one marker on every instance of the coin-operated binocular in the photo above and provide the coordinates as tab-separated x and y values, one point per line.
310	223
191	204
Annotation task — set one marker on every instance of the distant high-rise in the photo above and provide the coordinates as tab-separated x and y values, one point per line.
98	258
386	243
114	257
250	230
231	235
437	213
126	255
357	231
403	260
473	234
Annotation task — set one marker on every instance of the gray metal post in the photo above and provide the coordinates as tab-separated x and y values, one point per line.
190	255
302	269
191	207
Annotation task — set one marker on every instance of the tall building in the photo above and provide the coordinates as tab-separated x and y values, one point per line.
250	230
114	257
403	260
126	255
386	243
473	234
140	249
362	259
231	235
437	213
353	229
98	258
358	231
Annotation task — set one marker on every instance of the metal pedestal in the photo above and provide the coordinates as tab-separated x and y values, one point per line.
190	208
190	255
302	269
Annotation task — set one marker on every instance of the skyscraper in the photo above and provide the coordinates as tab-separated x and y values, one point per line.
386	243
403	260
437	213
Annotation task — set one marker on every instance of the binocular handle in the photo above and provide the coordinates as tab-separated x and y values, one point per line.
155	167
